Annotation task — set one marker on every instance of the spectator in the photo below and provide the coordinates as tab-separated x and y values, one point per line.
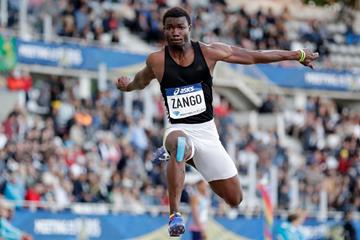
290	229
268	106
7	230
14	188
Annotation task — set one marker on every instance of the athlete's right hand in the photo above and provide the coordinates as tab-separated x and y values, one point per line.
123	83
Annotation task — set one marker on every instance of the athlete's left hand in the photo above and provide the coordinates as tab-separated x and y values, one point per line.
310	57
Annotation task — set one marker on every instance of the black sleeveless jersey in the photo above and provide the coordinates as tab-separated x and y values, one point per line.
187	91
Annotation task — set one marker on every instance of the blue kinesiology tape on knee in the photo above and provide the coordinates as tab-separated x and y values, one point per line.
180	151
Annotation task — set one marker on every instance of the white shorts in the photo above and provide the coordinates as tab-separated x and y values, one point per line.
209	155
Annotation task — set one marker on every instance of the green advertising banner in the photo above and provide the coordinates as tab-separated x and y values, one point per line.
7	53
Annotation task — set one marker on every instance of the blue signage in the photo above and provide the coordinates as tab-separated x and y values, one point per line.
302	77
73	55
67	225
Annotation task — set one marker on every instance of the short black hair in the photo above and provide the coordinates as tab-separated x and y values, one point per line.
176	12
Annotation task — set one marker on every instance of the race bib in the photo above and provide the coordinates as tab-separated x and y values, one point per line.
185	101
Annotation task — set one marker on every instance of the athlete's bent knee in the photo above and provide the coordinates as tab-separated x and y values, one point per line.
179	146
234	199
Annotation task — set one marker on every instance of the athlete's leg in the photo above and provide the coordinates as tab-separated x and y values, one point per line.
217	167
215	164
161	155
180	148
228	189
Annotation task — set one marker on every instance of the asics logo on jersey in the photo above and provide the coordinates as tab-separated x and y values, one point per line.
176	91
183	90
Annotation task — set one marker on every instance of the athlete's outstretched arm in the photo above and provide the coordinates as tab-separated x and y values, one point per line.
233	54
140	81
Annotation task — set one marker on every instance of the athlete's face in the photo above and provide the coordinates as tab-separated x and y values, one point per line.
177	31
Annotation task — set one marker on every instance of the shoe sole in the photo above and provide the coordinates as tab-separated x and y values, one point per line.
177	231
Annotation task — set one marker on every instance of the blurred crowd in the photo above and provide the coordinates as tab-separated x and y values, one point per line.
73	150
68	149
80	151
329	156
61	149
212	20
330	139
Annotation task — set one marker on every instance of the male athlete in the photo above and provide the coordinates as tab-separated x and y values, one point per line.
184	70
